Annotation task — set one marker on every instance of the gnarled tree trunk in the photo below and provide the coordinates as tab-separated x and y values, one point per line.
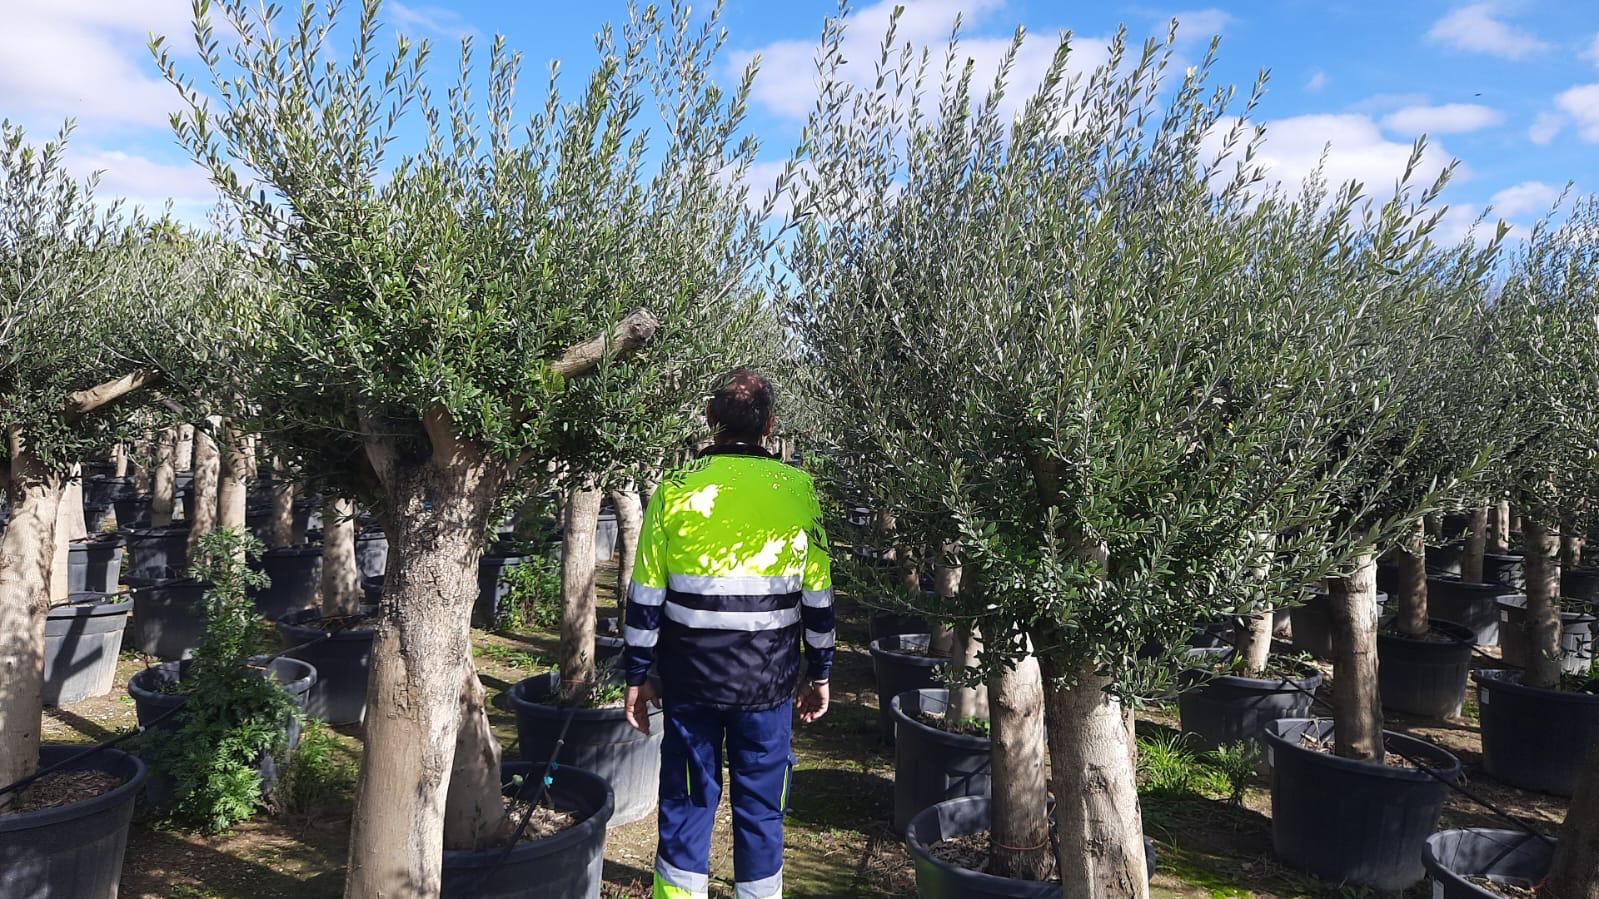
1357	718
474	813
577	590
1412	599
70	528
1019	831
341	577
1541	548
1574	873
629	521
207	478
1476	545
27	549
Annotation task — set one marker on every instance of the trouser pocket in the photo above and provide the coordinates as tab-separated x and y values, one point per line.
788	784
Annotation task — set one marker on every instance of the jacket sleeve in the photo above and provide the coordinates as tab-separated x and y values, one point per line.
816	602
645	594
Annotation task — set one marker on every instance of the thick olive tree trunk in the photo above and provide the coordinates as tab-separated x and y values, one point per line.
183	449
1412	599
474	813
1357	718
1574	873
70	527
629	521
1499	527
577	590
1253	639
961	644
163	480
119	460
27	549
207	481
143	469
1093	778
341	577
1571	550
238	468
284	531
1019	835
1476	545
1541	546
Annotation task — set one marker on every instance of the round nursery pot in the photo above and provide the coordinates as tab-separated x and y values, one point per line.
151	700
104	489
1472	605
1312	623
1576	634
81	643
608	641
1579	583
605	536
492	588
1445	559
1351	822
372	589
1425	676
72	851
1227	708
1534	738
343	661
932	764
566	864
132	508
168	616
598	740
372	552
1510	857
939	879
94	566
901	664
295	574
1505	568
893	624
157	552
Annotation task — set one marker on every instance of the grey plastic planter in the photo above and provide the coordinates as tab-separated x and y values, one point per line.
1533	738
156	553
74	851
605	534
492	587
1576	634
1228	708
901	664
81	643
295	574
932	765
95	565
1312	623
1506	568
168	616
1474	606
372	552
343	663
1503	856
1425	677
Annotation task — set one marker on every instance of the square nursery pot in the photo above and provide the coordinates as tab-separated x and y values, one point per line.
73	851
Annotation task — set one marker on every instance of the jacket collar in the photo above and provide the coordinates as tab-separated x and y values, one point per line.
735	449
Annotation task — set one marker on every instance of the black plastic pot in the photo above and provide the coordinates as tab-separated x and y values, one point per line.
492	588
133	509
94	565
938	879
1533	738
608	641
372	552
73	851
1312	623
1468	604
1445	559
900	664
1502	856
1350	822
104	489
168	616
155	553
598	740
1579	583
150	701
1505	568
893	624
1228	708
81	643
343	662
605	534
1425	677
295	574
569	863
1576	634
932	765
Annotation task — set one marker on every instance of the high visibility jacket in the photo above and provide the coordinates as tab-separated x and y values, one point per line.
731	577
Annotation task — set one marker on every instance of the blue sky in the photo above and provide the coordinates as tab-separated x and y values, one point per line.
1508	87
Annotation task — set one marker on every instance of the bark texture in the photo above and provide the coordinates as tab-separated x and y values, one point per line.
1254	631
70	528
1476	545
238	468
1541	546
207	478
577	590
1019	838
163	480
474	815
968	702
1412	559
27	548
1499	527
1092	772
1574	873
183	450
1571	551
284	530
341	577
629	521
1357	718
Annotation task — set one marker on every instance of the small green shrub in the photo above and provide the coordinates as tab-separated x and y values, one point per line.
1236	764
235	712
534	598
319	773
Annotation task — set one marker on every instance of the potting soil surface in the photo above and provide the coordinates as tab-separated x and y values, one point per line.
965	728
1499	888
60	788
838	835
969	851
544	822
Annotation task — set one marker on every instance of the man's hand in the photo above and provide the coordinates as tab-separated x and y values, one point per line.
637	705
812	701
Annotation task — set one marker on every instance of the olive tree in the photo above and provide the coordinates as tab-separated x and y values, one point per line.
438	306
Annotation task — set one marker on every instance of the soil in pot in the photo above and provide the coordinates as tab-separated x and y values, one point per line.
72	849
598	740
1219	706
1576	633
900	664
81	641
1353	822
932	764
343	660
1478	863
1425	675
1534	738
567	861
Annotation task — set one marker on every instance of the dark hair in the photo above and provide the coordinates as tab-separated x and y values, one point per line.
742	405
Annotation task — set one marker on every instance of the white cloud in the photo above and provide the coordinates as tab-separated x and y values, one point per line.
1545	127
1449	118
1318	80
1592	53
787	82
439	20
1355	150
1477	28
1526	197
1200	25
1580	105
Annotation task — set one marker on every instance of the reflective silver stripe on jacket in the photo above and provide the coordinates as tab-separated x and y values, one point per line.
818	599
819	639
732	621
645	596
638	636
735	584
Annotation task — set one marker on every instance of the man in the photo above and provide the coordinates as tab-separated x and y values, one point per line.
732	576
